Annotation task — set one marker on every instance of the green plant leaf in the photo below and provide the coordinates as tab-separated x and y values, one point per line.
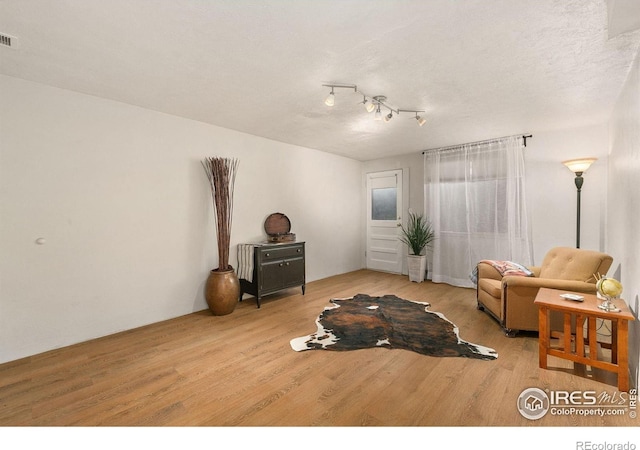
418	234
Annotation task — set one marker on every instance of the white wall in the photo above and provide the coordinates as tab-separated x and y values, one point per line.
120	197
623	217
552	192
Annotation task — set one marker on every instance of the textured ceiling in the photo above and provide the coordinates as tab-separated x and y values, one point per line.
480	69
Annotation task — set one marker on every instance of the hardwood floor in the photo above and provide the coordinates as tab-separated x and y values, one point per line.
239	370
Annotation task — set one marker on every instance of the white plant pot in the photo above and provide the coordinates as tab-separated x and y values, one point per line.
417	265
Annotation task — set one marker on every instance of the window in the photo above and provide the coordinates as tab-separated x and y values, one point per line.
383	204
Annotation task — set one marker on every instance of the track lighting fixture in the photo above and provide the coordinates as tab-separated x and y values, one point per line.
373	104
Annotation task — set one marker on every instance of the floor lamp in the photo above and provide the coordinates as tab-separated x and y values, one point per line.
578	166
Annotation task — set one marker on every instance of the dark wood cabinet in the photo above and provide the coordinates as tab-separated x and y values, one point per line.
275	267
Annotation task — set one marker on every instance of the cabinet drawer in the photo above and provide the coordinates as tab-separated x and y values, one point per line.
273	253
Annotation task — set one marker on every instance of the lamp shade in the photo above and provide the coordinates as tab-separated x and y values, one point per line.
579	165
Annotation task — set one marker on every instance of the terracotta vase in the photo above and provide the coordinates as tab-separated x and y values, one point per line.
222	291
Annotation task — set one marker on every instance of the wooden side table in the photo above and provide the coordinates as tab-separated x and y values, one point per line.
585	350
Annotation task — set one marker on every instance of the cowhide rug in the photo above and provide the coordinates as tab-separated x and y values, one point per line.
390	322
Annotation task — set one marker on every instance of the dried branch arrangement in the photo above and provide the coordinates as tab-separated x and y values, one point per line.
222	177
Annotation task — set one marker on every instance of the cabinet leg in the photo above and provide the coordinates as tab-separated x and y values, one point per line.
303	288
258	300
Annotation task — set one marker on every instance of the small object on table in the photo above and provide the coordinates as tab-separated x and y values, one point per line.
574	297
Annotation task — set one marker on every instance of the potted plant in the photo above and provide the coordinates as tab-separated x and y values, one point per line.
418	235
222	290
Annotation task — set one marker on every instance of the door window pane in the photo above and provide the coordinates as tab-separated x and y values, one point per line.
383	204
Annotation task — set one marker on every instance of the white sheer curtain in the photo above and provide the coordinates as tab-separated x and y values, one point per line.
475	198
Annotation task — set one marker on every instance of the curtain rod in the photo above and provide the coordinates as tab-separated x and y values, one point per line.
488	141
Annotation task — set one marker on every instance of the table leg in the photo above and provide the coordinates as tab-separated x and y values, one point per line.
614	341
567	333
580	335
593	339
543	336
622	352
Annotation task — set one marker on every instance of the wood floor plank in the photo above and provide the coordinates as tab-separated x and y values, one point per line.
239	370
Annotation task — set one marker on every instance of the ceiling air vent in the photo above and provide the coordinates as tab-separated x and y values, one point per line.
8	41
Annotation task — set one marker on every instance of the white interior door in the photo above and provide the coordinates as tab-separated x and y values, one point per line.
384	204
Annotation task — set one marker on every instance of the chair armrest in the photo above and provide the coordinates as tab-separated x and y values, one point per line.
486	270
535	270
565	285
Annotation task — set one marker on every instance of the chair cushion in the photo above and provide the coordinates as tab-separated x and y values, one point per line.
566	263
491	287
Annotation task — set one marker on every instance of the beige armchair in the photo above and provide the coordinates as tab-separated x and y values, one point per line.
510	299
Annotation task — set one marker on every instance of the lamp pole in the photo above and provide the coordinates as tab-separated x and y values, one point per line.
579	180
579	166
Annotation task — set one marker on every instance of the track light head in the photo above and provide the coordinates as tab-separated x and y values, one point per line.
331	99
370	107
388	117
379	100
421	120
